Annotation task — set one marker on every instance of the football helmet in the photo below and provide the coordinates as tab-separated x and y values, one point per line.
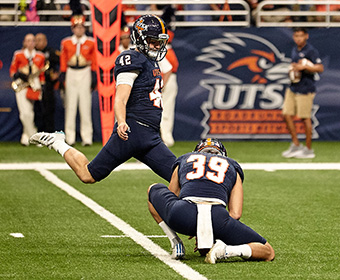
150	28
211	145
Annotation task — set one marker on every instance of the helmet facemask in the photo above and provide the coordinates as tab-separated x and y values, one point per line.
142	43
154	53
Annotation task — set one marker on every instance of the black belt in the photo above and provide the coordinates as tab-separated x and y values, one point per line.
78	67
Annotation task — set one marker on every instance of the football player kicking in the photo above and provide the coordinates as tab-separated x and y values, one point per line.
203	183
138	110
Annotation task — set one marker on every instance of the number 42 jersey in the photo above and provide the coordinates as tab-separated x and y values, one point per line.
145	101
205	175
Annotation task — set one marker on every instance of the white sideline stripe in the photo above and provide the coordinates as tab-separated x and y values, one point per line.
291	166
181	268
140	166
63	166
123	236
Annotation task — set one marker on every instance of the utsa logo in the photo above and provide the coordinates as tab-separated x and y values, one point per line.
247	79
257	63
141	25
156	72
245	58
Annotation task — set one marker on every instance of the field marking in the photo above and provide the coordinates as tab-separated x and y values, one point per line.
17	235
140	166
123	236
181	268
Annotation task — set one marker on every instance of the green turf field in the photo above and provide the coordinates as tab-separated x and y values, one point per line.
296	210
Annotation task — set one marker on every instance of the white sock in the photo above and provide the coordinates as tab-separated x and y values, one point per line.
60	147
243	251
172	235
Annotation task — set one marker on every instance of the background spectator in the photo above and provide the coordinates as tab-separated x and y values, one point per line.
26	71
323	8
126	19
50	6
299	97
195	7
77	67
51	78
76	7
7	7
31	12
125	41
169	94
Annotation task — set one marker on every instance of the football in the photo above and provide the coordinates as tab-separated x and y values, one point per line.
294	76
305	61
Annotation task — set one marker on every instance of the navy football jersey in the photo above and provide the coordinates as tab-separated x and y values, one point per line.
307	82
207	175
145	101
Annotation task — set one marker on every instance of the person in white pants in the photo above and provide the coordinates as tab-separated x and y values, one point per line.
77	67
78	92
26	63
169	94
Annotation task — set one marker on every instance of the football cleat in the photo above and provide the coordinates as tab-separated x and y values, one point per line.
178	251
211	145
47	139
218	251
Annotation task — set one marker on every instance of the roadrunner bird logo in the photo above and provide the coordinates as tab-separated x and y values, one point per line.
247	77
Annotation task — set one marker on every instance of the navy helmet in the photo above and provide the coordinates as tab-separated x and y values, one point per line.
211	145
146	28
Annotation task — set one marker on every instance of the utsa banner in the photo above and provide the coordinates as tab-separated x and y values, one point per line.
232	83
106	20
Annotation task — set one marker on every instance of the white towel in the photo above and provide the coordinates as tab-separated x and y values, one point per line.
205	236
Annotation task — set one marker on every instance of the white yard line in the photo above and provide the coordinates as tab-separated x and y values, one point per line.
62	166
291	166
140	166
181	268
17	235
123	236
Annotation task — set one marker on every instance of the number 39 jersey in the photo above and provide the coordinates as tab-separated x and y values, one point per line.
145	101
207	175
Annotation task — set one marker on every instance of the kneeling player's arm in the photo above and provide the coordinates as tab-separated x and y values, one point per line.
235	204
174	183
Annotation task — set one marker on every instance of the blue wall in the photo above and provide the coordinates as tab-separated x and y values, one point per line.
231	82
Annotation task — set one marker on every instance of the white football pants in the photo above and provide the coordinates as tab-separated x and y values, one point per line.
26	115
169	93
78	93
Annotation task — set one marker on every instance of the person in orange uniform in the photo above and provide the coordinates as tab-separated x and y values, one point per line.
77	67
24	70
169	94
125	41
